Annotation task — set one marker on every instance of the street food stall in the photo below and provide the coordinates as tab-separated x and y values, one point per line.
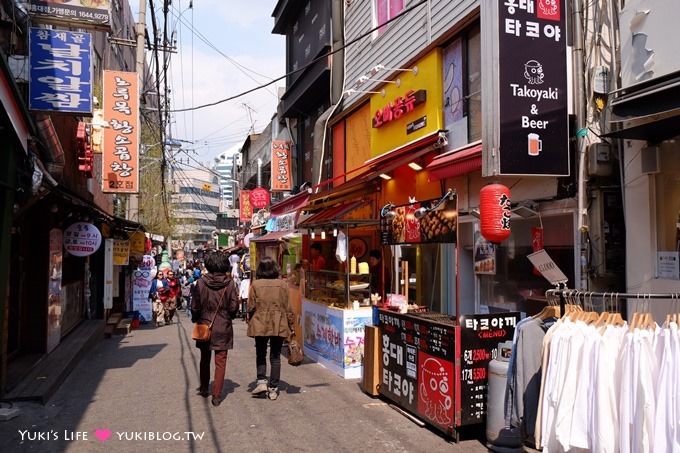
336	303
433	363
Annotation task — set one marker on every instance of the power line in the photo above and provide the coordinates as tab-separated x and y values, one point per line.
321	57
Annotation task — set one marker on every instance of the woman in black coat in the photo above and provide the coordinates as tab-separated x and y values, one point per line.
213	290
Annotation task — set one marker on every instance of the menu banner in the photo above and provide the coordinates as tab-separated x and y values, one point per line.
479	336
427	221
281	165
418	356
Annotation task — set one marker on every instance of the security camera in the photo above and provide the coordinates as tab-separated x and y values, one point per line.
420	213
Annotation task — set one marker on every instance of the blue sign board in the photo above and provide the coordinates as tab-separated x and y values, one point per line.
61	71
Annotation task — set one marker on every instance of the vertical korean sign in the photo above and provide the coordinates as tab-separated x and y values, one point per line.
120	159
281	165
61	71
246	210
533	88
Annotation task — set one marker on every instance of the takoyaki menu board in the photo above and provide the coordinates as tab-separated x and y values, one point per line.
418	366
427	221
479	339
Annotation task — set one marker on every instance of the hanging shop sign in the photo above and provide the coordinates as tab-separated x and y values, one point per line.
81	13
120	159
532	72
245	208
281	160
121	252
61	71
494	212
84	149
259	198
427	221
82	239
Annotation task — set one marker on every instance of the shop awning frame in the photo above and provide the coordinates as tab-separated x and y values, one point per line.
276	236
291	204
333	216
456	162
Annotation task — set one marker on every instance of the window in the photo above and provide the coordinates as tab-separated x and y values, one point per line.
384	10
668	212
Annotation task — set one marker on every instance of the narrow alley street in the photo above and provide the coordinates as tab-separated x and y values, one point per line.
137	393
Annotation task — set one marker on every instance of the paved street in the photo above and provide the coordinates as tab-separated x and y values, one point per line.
129	391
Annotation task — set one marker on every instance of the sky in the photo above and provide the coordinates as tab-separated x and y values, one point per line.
224	48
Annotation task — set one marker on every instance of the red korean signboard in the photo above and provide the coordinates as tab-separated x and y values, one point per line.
120	159
281	157
259	198
246	209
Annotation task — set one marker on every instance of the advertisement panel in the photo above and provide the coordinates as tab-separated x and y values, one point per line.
61	71
245	208
281	158
120	159
82	239
141	285
428	221
532	73
75	12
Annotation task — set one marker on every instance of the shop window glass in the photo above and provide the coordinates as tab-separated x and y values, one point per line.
384	10
668	203
515	286
423	273
474	84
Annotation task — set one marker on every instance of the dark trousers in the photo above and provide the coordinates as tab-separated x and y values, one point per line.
220	369
275	344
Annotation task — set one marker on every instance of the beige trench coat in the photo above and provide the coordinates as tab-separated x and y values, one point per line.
268	308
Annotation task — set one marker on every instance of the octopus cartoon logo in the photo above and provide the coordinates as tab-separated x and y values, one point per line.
435	392
533	72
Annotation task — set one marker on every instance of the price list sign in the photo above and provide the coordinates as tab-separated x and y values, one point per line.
479	339
418	365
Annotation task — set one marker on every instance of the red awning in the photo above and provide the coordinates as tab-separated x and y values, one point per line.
455	163
326	216
290	204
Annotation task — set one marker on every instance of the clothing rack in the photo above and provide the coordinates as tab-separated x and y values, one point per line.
565	293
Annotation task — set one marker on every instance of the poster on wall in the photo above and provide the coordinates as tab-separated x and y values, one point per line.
54	297
484	255
429	221
121	252
354	340
61	71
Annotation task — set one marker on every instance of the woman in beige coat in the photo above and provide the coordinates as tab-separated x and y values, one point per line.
270	322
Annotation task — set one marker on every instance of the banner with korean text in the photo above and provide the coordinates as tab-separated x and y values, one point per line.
120	159
281	176
61	71
246	210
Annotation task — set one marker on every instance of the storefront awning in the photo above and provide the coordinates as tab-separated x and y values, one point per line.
290	204
335	214
650	112
275	236
456	162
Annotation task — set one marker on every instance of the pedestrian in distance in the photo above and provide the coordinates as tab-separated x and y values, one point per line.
270	321
158	294
215	296
172	302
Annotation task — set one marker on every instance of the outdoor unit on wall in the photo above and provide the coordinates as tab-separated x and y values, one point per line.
599	159
649	160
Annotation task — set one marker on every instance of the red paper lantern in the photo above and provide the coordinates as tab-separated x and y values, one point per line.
494	212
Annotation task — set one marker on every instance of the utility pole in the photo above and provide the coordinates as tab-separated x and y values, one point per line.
133	201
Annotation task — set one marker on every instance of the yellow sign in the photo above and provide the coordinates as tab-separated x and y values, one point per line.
121	252
137	241
410	109
207	187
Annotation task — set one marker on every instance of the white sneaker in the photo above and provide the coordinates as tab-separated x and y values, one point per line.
260	388
272	393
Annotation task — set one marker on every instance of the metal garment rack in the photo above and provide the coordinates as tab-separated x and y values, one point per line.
566	293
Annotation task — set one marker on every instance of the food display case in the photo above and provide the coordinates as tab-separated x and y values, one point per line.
335	308
338	289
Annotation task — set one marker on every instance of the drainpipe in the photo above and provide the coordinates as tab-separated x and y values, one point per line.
336	89
580	109
259	172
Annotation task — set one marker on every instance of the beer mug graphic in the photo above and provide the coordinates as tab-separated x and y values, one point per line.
535	144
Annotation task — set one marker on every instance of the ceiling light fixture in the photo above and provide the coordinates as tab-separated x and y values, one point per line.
385	176
415	166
